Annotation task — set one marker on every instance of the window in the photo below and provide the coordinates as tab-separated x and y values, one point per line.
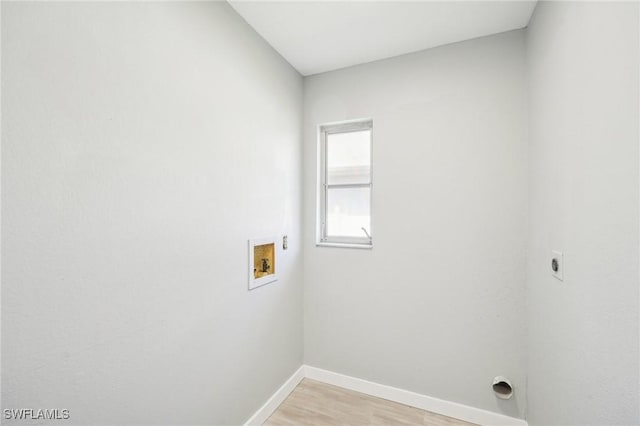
345	184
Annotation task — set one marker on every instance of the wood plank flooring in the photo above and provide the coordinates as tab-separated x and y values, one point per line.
315	403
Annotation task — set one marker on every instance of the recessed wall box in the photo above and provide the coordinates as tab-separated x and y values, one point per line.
262	262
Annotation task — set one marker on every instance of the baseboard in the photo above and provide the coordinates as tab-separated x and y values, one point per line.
276	399
428	403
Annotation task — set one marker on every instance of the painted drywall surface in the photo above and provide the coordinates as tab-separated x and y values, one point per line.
143	145
436	306
583	346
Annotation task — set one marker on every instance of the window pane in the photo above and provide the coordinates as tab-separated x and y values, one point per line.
348	211
349	157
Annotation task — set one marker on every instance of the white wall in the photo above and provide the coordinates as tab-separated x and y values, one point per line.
143	145
437	305
583	85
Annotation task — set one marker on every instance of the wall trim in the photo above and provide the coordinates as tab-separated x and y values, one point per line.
424	402
263	413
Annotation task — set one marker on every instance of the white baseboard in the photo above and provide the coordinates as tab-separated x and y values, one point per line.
276	399
428	403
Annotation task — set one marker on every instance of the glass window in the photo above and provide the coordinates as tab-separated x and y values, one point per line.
345	211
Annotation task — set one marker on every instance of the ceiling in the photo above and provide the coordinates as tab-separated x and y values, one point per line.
319	36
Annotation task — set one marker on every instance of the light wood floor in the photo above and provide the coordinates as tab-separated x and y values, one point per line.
315	403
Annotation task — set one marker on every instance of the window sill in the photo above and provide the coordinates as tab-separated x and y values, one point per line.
345	245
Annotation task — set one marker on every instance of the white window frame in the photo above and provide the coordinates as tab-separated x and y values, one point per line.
322	239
